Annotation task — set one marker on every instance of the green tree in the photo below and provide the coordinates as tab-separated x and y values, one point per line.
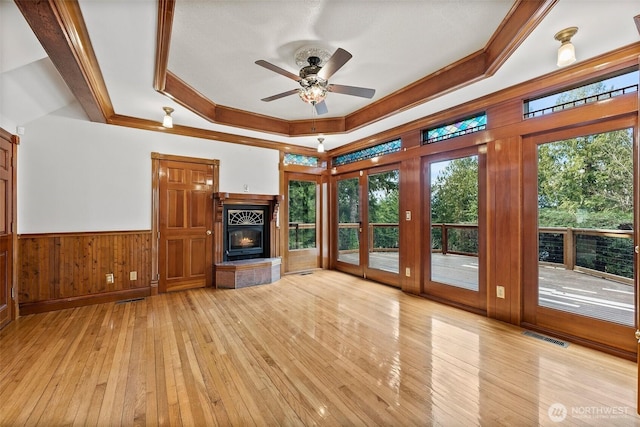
587	181
454	192
302	214
384	204
454	199
348	212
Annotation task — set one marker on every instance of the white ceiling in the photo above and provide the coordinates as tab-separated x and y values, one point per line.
215	43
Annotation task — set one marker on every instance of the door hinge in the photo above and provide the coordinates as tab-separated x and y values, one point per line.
13	297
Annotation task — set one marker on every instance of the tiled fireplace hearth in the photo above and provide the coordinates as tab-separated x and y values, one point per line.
249	272
246	239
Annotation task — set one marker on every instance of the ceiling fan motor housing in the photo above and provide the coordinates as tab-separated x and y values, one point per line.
312	69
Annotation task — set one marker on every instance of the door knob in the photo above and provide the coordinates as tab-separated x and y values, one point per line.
208	232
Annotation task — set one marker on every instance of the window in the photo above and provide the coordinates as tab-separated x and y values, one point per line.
368	153
457	128
300	160
302	214
603	89
585	226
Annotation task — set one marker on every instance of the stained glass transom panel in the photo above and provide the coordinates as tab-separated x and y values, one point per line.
451	130
300	160
369	152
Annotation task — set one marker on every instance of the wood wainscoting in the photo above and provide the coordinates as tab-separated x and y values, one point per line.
57	271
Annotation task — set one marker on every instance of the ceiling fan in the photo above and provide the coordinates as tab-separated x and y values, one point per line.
314	80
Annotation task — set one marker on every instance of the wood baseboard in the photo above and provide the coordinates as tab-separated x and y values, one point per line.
79	301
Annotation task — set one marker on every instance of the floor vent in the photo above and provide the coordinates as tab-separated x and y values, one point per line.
547	339
305	273
124	301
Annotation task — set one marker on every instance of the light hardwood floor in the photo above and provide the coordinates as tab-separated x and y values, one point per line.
324	348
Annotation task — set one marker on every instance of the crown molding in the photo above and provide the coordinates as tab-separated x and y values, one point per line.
59	26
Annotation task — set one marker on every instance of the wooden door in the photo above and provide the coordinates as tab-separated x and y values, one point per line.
454	227
348	242
7	309
578	278
367	223
185	224
636	258
304	223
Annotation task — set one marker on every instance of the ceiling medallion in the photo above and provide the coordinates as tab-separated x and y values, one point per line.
303	54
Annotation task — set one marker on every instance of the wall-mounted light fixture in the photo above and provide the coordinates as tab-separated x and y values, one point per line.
167	121
566	51
320	145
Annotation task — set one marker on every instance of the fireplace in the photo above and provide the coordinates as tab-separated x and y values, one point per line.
245	226
247	243
246	234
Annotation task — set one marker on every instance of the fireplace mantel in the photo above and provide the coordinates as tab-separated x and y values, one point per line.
220	199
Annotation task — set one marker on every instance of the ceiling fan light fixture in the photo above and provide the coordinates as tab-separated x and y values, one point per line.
314	79
167	120
566	51
320	145
313	94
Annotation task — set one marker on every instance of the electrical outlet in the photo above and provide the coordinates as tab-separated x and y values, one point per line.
500	291
407	272
109	277
133	275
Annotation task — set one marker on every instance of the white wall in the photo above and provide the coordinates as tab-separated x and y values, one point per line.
74	175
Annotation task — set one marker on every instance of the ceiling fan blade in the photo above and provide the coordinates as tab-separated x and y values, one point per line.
337	60
352	90
280	95
275	68
321	108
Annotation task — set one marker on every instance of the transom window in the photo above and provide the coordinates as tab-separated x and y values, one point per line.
300	160
454	129
603	89
368	153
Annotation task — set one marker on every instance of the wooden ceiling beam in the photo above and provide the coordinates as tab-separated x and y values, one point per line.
61	30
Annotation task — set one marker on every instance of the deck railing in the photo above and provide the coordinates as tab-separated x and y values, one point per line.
598	252
302	235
